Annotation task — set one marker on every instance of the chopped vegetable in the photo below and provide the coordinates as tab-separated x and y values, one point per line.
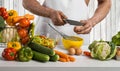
25	54
42	40
15	45
9	54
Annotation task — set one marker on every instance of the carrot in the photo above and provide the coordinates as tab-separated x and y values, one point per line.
72	59
64	57
87	53
28	16
16	19
62	60
61	54
68	60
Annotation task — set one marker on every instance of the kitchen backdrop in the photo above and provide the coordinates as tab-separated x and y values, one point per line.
105	30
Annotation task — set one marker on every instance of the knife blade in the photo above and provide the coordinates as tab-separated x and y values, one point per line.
72	22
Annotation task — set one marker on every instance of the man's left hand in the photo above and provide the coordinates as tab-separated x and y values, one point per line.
85	29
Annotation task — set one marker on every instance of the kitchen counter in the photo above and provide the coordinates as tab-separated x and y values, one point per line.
81	61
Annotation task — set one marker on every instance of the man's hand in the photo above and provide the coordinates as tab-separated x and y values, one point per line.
35	7
85	29
57	17
100	13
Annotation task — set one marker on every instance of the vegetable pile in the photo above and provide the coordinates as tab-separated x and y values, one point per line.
10	22
26	46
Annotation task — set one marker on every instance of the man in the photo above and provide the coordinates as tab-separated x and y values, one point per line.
54	11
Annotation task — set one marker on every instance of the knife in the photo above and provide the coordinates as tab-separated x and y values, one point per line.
72	22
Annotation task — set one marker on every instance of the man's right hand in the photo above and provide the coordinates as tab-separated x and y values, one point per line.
57	17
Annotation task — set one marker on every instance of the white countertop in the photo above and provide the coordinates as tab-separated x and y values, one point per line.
81	61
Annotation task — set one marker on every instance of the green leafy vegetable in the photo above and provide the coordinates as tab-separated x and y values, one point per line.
116	39
2	24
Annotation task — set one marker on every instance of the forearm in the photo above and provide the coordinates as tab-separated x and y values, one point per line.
101	12
35	7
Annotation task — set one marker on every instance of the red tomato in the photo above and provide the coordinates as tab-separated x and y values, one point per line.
9	54
24	23
87	53
0	13
2	9
3	13
25	40
22	33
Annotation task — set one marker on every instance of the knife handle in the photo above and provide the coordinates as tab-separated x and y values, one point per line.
64	20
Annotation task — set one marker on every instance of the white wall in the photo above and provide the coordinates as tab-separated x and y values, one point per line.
109	26
105	30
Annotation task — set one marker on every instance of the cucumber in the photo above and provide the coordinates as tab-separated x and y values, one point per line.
42	49
54	58
40	57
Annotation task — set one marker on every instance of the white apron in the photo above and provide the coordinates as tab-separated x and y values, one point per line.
73	9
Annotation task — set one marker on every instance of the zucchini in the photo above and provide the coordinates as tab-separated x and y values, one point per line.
40	57
54	58
42	49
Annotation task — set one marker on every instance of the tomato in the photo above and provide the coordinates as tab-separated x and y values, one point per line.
87	53
3	13
2	9
25	40
22	33
0	13
24	23
9	54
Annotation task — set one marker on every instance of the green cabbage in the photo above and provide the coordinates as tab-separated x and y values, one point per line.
102	50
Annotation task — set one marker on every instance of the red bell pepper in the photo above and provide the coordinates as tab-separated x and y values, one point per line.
9	54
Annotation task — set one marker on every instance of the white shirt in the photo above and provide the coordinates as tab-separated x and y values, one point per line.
73	9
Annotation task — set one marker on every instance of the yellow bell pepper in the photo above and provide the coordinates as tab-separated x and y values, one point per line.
12	14
15	45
